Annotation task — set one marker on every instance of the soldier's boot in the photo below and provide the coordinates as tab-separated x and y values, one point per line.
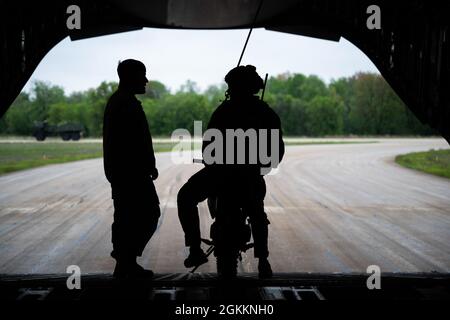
196	257
264	268
129	268
139	272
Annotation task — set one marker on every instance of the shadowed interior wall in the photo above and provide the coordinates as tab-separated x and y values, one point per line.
411	49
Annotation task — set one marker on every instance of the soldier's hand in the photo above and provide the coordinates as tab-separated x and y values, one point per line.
155	174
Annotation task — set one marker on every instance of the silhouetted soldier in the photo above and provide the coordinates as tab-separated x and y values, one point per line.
243	110
129	163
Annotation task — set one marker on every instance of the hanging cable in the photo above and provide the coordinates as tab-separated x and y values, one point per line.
250	32
245	46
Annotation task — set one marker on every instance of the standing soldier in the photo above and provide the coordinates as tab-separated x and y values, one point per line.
129	163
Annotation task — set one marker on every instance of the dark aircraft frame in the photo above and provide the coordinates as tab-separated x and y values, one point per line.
411	49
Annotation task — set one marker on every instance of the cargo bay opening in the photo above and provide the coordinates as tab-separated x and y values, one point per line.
328	222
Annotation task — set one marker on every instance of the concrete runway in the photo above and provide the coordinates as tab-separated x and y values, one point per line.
333	208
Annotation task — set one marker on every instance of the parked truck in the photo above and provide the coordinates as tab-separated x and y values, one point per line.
67	130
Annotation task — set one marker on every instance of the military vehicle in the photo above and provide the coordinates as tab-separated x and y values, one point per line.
67	130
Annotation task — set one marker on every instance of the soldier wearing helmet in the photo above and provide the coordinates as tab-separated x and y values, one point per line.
242	109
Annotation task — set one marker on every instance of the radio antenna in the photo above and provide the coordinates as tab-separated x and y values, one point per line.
264	88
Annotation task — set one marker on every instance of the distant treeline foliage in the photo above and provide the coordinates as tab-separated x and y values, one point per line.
363	104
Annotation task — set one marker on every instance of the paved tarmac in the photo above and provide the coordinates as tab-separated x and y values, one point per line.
333	208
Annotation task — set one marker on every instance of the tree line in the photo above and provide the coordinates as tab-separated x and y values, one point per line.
363	104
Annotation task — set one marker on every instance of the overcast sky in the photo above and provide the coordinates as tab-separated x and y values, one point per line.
173	56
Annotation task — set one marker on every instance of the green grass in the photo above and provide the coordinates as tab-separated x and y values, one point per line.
24	155
304	143
436	162
20	156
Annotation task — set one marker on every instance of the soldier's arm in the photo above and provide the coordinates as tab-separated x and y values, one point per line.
153	170
111	143
214	123
274	122
280	142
